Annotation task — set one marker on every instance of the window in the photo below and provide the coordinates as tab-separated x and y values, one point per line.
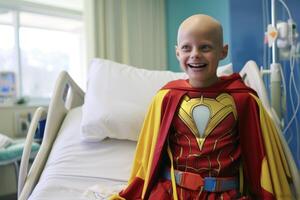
7	41
37	45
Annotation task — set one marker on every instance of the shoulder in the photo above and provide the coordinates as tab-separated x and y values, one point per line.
161	95
171	89
235	84
179	83
243	95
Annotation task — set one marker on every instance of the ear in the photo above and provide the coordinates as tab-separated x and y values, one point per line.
177	52
224	51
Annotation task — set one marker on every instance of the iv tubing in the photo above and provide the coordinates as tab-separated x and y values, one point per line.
287	8
292	80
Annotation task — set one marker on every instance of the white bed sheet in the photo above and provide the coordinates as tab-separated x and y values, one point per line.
73	165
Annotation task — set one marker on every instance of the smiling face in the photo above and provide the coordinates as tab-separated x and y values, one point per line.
200	48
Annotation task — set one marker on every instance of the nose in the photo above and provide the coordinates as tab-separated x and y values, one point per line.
195	54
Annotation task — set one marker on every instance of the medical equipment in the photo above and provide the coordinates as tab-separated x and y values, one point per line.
284	91
66	166
7	87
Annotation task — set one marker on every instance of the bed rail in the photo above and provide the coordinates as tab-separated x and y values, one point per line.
67	95
39	114
252	77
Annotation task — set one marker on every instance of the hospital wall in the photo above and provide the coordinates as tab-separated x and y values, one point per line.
243	23
247	42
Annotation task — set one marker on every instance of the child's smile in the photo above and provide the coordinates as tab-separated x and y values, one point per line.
197	65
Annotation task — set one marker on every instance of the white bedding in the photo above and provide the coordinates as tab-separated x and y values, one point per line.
73	166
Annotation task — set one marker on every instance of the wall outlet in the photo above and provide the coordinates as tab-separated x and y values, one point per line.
22	122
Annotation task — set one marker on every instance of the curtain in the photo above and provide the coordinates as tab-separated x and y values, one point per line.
127	31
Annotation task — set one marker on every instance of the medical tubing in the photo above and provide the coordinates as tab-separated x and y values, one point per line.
296	91
292	80
295	118
287	8
290	136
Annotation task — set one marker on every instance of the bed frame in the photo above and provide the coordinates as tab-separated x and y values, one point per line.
67	95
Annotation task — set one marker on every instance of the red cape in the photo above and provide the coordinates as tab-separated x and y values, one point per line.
249	127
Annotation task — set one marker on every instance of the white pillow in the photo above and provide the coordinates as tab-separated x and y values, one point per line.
118	96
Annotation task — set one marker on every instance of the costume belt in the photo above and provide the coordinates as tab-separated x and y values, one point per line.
194	181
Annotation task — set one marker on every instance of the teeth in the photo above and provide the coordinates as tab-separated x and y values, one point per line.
197	65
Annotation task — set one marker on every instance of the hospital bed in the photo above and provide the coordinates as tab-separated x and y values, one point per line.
77	152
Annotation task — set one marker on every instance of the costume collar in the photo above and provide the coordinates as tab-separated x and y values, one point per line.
231	84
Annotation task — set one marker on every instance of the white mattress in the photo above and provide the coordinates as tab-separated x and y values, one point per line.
73	166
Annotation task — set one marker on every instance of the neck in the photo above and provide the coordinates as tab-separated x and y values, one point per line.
203	84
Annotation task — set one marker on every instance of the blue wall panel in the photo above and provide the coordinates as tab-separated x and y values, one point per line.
247	36
247	32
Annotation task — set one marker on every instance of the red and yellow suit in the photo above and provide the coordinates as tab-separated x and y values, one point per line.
236	132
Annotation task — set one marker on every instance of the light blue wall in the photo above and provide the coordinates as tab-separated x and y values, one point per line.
178	10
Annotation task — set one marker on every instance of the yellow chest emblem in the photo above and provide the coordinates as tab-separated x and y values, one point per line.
203	114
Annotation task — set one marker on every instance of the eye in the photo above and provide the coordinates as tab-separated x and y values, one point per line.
205	47
185	48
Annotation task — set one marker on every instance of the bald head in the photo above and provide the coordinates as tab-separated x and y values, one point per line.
204	24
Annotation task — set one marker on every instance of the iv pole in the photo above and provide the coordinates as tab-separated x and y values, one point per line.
275	72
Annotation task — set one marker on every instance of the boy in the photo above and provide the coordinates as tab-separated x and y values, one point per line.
203	136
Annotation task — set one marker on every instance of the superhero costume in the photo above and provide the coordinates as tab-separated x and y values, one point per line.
254	142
